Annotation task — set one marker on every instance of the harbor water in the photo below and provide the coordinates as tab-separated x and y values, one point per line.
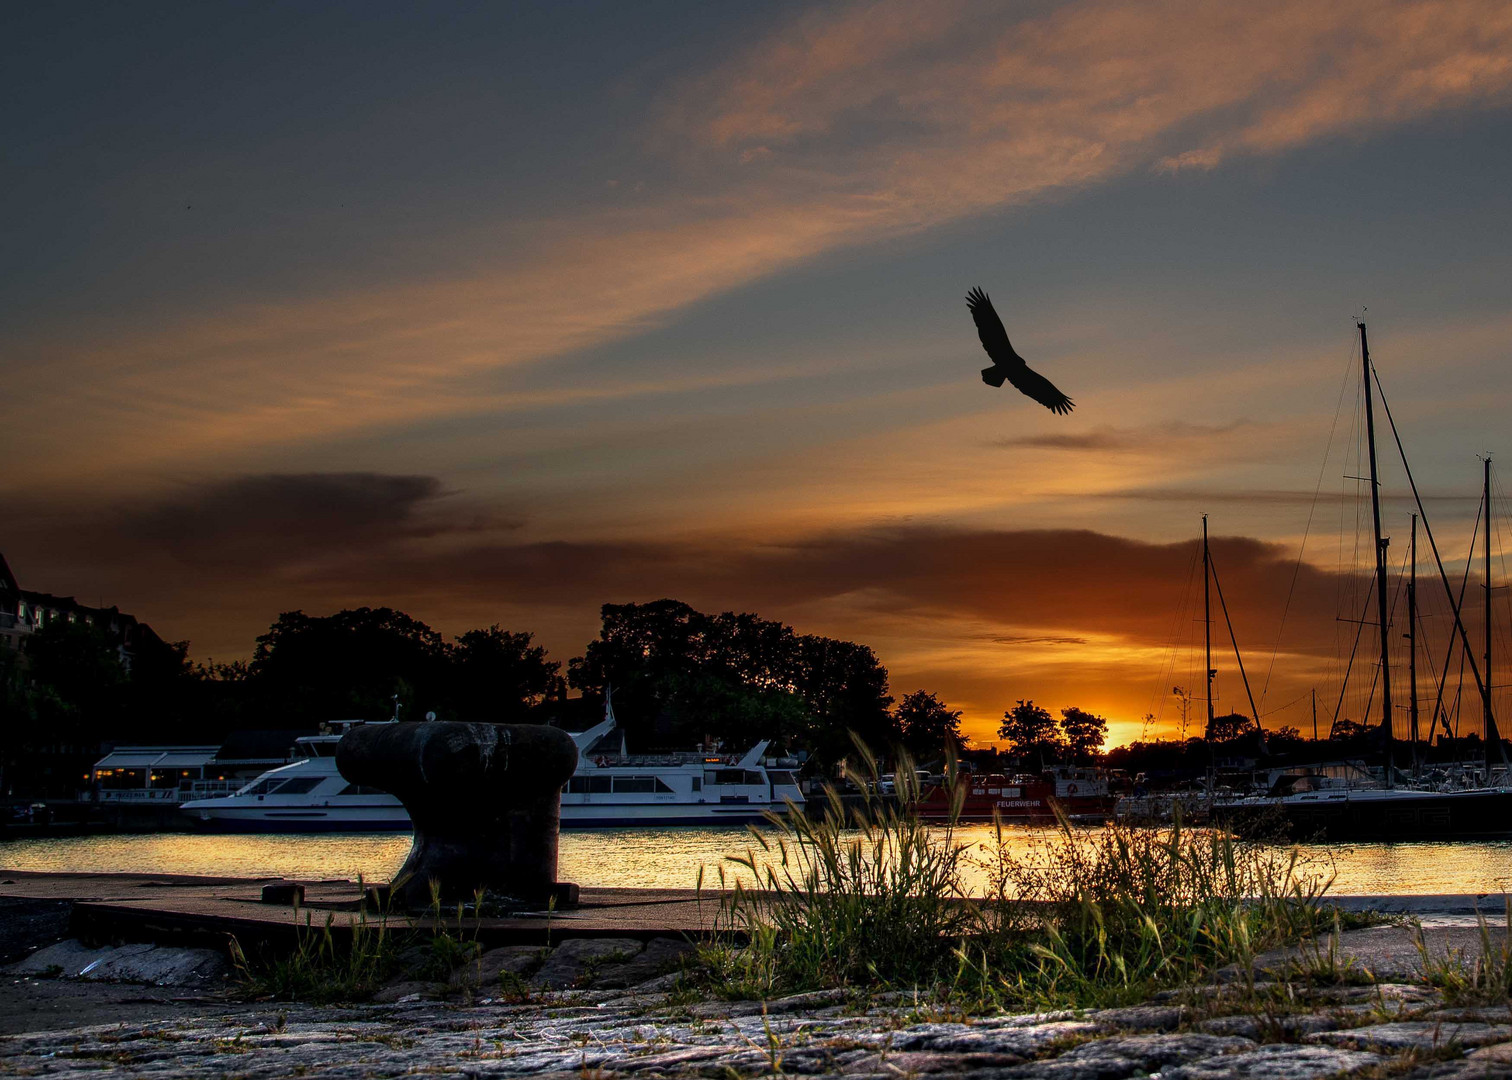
672	858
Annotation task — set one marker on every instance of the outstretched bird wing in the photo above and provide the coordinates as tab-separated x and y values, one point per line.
990	329
1006	362
1032	384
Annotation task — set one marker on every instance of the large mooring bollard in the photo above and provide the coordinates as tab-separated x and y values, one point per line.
485	800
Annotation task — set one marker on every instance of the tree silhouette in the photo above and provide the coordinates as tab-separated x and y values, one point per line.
498	676
1084	733
348	666
1029	729
1229	727
679	673
927	726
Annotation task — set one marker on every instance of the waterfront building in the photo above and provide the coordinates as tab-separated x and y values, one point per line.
23	612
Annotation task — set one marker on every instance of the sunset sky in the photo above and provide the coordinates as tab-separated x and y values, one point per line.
498	312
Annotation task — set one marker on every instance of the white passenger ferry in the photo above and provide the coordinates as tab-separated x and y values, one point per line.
608	789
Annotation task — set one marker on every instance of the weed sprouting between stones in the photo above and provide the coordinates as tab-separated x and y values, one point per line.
327	966
1485	979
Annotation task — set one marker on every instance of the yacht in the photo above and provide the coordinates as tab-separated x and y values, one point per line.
609	788
1313	806
306	795
673	789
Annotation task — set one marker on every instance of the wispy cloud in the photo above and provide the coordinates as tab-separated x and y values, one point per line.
1161	437
848	125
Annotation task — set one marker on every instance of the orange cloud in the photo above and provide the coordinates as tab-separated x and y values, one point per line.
984	616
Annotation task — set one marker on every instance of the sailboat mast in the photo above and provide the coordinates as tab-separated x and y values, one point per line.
1380	553
1412	642
1488	725
1207	627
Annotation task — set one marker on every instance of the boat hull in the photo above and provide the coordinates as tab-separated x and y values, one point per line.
256	819
228	819
1378	816
1081	797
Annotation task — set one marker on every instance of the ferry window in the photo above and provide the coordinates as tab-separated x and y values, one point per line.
300	785
265	787
754	777
726	776
779	777
360	789
629	784
698	783
582	785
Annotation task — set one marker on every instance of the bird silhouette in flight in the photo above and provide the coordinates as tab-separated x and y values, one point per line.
1007	364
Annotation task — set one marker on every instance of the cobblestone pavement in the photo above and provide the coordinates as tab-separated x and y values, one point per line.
1378	1031
605	1008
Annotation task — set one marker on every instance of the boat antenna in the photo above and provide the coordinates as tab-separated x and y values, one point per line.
1380	558
1233	638
1207	627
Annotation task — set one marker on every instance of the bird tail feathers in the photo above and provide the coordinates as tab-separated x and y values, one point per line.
993	376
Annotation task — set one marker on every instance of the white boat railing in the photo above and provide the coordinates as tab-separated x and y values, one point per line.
140	795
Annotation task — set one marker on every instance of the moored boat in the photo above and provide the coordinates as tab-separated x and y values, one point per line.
609	789
1081	794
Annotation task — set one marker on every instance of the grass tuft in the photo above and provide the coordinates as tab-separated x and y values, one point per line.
331	965
843	898
872	896
1486	979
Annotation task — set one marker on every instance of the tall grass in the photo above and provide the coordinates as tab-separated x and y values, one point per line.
1122	910
832	892
875	897
1484	977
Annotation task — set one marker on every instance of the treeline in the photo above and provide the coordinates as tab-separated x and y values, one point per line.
678	676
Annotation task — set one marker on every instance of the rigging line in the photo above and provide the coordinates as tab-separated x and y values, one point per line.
1438	700
1359	629
1375	679
1396	597
1458	694
1289	704
1221	603
1168	664
1307	529
1501	629
1492	732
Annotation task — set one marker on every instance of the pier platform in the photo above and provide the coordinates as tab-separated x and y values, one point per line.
172	908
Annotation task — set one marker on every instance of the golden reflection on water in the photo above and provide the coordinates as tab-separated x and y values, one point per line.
671	858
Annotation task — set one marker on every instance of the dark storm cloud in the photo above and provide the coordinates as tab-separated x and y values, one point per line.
242	527
278	518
